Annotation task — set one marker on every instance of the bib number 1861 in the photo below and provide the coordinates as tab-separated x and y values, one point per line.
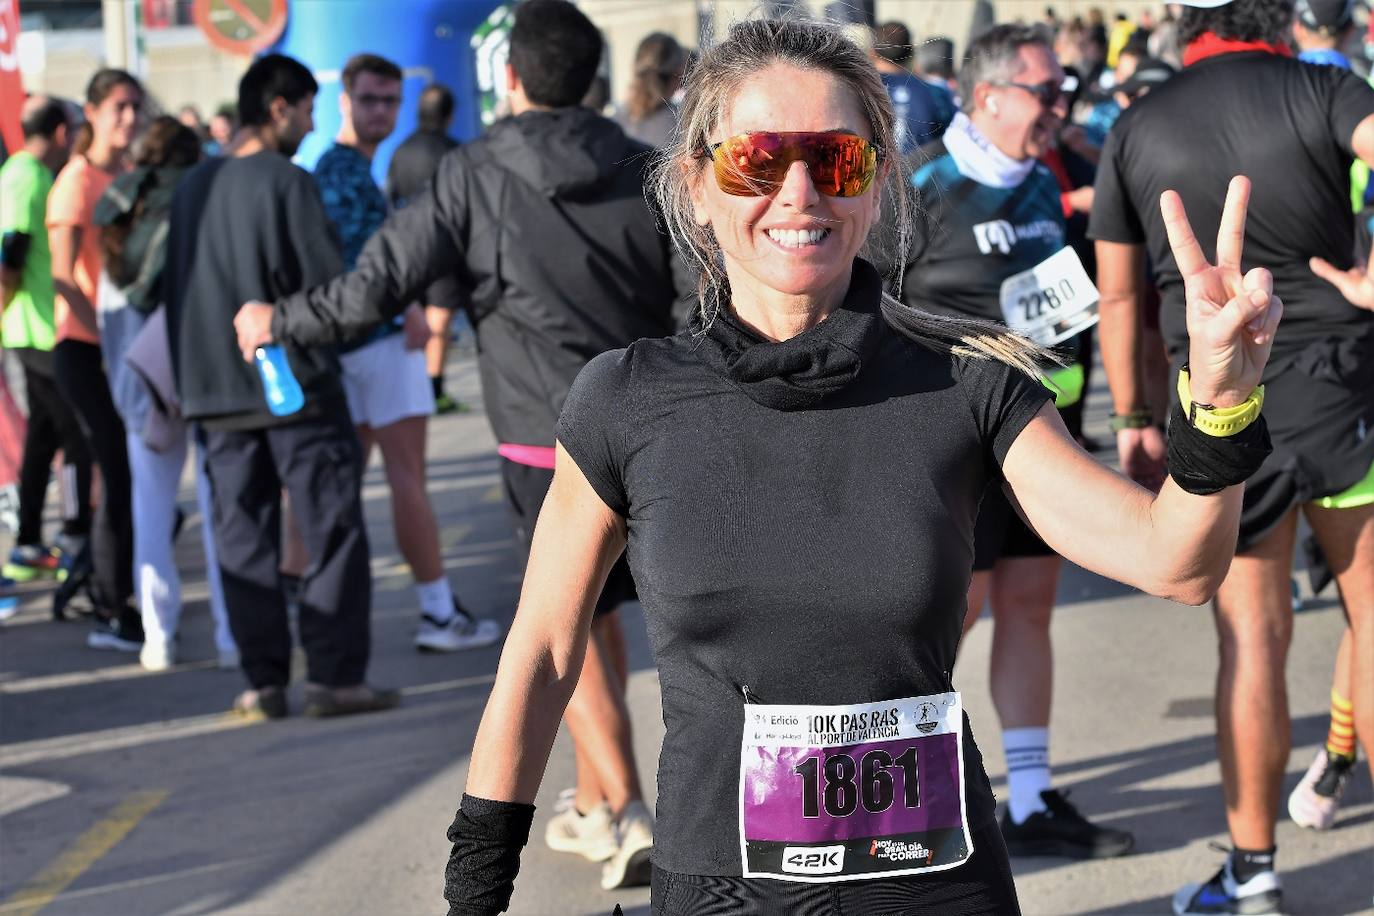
842	785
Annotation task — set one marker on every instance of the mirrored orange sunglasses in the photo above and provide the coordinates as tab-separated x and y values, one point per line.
755	164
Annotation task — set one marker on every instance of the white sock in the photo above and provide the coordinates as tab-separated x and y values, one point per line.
436	599
1028	769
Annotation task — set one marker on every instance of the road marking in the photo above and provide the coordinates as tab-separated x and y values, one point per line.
24	753
20	792
84	852
94	676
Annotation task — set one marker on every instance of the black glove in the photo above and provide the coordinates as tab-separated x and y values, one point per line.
487	837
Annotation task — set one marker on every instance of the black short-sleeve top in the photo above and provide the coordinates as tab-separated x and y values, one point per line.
800	521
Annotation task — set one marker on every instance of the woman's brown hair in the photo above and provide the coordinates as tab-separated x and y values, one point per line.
166	143
97	90
659	62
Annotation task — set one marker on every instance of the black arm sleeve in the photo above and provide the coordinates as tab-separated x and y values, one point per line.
411	250
14	249
487	837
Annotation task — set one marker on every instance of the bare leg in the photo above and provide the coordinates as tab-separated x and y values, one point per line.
1347	539
978	588
417	534
1022	664
613	638
436	349
599	723
1254	619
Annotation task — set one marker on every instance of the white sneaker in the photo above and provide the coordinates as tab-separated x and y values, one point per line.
158	654
461	631
629	867
590	835
1315	800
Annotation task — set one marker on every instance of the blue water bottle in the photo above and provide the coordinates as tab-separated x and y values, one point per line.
284	395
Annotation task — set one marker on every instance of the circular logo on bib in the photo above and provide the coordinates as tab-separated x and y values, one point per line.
927	718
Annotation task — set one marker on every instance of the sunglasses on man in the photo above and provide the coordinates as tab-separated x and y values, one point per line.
1049	94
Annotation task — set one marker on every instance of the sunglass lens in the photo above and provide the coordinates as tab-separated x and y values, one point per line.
752	165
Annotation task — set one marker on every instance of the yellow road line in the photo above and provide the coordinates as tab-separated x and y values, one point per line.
84	852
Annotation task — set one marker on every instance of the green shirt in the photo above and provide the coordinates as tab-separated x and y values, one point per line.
24	186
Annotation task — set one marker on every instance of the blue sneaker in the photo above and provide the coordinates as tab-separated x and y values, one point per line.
1260	896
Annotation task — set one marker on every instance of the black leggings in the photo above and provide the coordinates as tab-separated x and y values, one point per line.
52	426
982	886
80	376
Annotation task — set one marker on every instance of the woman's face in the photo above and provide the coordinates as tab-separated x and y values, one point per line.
759	235
115	120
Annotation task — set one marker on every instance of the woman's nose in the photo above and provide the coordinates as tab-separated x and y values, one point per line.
797	189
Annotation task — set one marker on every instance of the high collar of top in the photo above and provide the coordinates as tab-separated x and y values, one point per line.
979	160
799	372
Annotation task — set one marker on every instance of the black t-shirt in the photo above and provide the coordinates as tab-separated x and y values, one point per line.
414	163
800	519
1284	124
244	229
977	235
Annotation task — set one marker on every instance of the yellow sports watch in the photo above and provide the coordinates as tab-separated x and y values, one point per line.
1218	421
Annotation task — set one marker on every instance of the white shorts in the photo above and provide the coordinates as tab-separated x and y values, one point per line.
385	382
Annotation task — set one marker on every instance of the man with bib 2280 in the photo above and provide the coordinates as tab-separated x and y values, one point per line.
994	248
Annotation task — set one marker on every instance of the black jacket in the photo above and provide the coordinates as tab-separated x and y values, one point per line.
543	221
243	229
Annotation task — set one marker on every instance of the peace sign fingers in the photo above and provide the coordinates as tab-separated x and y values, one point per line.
1187	252
1231	234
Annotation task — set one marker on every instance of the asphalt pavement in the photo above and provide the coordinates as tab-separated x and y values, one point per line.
123	792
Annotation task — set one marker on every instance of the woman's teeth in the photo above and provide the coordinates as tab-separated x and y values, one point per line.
797	238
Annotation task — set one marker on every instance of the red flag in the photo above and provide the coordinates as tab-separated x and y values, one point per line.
11	86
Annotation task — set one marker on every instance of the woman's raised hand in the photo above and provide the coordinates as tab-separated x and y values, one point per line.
1232	317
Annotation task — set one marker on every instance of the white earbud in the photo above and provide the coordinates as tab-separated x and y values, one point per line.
992	105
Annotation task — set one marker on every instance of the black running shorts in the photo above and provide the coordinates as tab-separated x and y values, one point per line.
1000	533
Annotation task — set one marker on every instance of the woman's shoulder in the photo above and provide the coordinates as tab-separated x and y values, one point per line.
642	364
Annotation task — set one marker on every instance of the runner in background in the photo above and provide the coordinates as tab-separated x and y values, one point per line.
132	219
935	66
248	224
1320	29
114	101
408	176
29	333
920	115
384	375
1188	134
994	214
649	114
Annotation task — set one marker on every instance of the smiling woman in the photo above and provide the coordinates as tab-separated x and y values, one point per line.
794	480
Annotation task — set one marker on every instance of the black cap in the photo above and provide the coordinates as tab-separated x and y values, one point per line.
1149	73
1327	15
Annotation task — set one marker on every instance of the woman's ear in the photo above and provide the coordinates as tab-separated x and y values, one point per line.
696	187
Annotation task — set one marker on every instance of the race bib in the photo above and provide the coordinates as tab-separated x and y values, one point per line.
1052	301
832	793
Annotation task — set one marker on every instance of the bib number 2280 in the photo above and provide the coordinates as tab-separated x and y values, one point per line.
842	785
1037	303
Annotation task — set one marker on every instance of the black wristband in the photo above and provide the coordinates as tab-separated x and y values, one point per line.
1203	464
487	837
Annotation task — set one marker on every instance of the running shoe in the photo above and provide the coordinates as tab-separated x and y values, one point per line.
123	633
461	631
158	654
1060	830
629	867
9	602
590	835
261	704
325	702
1260	896
33	561
1313	804
447	403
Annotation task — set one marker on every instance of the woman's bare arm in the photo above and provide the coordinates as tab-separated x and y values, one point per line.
1175	545
576	541
65	242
